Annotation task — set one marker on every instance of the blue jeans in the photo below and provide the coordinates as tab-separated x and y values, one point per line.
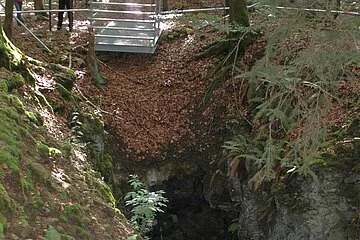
18	7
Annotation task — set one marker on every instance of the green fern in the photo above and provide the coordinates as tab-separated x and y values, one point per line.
294	85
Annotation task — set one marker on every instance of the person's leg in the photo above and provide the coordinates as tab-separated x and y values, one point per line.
70	14
61	14
18	7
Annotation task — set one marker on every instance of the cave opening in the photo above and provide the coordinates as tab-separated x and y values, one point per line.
188	214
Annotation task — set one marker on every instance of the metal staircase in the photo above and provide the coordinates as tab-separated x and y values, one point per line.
125	26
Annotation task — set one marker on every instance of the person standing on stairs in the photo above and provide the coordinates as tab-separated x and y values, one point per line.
68	4
18	7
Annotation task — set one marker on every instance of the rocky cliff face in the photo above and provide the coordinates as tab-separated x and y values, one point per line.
324	207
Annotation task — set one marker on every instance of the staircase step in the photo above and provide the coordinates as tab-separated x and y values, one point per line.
125	27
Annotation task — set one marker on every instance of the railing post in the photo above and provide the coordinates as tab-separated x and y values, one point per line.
157	19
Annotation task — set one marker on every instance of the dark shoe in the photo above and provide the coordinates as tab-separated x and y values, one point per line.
58	28
70	29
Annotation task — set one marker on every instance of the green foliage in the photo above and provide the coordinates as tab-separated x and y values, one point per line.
82	233
5	201
75	214
52	234
3	223
145	205
291	90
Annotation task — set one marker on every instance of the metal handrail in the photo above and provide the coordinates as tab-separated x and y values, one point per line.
124	37
123	4
123	12
121	20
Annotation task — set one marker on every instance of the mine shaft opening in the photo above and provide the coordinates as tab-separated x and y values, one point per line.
188	214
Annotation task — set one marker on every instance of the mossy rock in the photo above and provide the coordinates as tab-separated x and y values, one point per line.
46	151
64	76
92	126
104	191
39	172
65	93
103	163
21	225
34	117
65	148
16	103
10	80
75	214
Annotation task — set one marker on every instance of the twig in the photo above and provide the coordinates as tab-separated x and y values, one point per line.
105	65
94	106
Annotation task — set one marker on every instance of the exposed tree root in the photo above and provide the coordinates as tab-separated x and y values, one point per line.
234	47
92	63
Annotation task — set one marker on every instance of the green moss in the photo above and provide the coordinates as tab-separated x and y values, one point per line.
64	76
67	237
105	192
10	135
65	148
34	205
75	214
10	80
21	225
17	103
39	172
7	159
34	117
26	184
66	94
92	126
4	86
3	224
43	150
5	201
54	152
46	151
103	164
82	233
16	81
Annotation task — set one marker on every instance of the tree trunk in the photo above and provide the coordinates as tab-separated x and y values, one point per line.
9	5
10	57
165	5
92	62
39	5
239	13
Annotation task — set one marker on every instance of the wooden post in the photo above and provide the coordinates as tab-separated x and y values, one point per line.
50	15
